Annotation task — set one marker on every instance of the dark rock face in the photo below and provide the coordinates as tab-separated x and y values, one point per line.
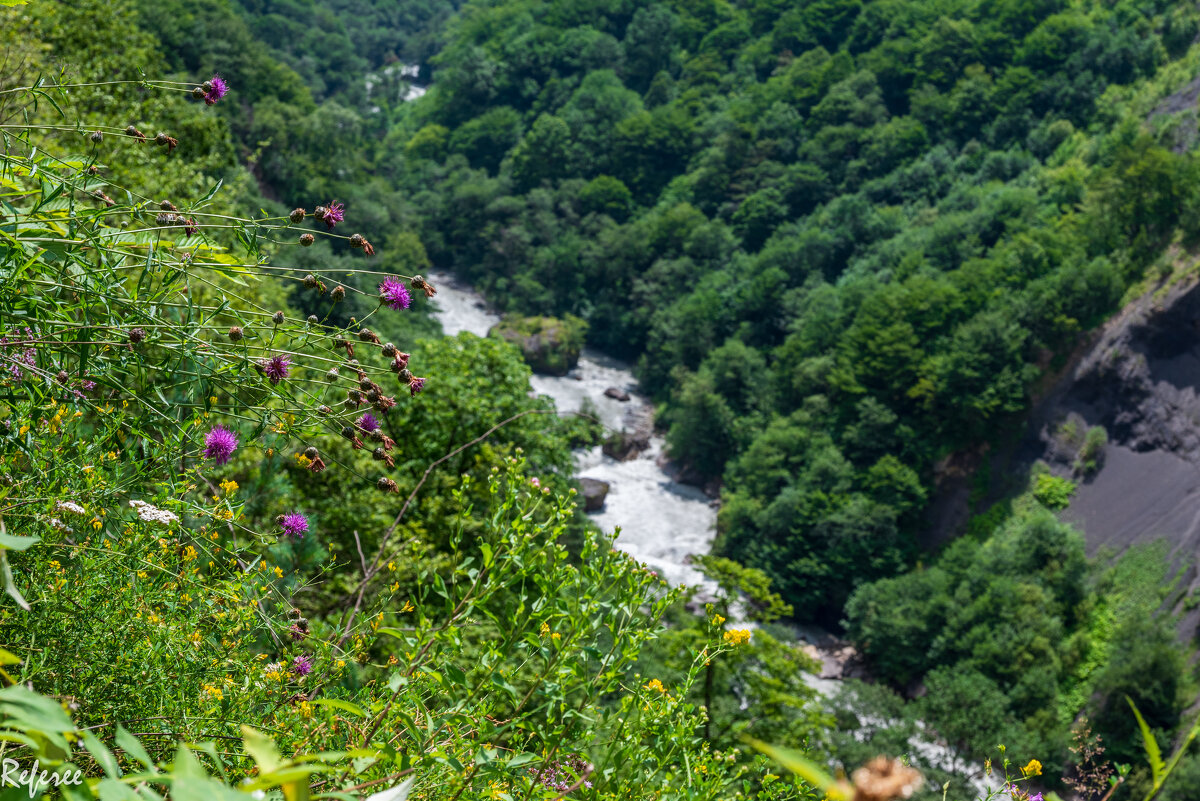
616	393
1141	381
594	493
550	345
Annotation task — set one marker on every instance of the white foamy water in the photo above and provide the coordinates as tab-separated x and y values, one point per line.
662	522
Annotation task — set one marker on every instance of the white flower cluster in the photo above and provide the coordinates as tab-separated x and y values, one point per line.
68	506
152	514
59	525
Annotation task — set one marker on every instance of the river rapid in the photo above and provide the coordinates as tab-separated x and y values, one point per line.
661	522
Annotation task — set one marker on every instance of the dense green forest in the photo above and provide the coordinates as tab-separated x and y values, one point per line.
841	240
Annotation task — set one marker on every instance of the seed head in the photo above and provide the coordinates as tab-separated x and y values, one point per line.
388	350
235	334
277	318
96	137
136	335
307	239
313	319
311	453
311	282
338	294
297	216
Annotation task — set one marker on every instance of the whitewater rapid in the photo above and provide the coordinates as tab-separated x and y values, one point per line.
662	522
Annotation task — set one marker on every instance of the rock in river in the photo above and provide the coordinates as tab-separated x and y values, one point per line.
594	493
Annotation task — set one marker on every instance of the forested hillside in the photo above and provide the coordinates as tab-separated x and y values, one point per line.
844	241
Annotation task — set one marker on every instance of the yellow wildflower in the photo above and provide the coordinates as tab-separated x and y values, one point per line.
656	685
189	553
229	487
717	620
737	636
544	630
1034	768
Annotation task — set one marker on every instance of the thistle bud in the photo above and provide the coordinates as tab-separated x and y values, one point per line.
340	342
357	241
323	409
165	219
311	453
338	294
313	319
136	335
400	362
169	142
311	282
167	205
388	350
294	614
366	384
405	376
235	334
96	137
333	374
277	318
306	240
297	215
198	93
62	376
385	484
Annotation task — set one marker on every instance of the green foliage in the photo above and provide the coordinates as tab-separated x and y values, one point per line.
1053	492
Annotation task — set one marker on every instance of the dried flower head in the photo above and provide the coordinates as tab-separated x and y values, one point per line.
132	131
385	484
169	142
136	335
419	282
235	334
306	240
297	215
884	779
338	294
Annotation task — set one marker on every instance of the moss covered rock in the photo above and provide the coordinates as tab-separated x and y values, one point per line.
550	345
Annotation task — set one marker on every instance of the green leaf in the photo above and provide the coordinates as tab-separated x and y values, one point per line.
104	758
133	746
13	542
345	706
9	585
262	748
1153	754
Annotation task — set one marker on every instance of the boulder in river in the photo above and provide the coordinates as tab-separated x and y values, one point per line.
550	345
616	393
594	493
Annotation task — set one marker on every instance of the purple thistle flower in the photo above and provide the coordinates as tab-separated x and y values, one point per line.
416	385
1035	797
216	90
220	444
367	423
395	293
331	215
302	665
276	368
294	525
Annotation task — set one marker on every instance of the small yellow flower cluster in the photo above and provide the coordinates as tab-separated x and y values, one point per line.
1034	768
302	460
229	487
737	636
189	554
212	691
544	630
656	685
194	638
717	620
